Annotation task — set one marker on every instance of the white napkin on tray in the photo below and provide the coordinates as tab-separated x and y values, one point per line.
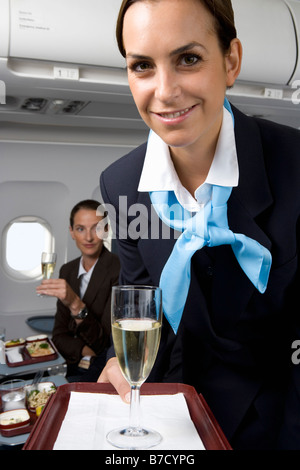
14	355
90	416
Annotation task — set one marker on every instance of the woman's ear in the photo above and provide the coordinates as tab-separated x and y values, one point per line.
71	232
233	61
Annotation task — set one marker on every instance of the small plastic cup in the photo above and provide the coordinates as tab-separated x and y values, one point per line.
12	394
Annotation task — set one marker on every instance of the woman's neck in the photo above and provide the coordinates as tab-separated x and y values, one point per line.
192	163
89	261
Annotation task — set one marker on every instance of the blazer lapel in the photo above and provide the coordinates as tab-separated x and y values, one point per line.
253	191
74	279
98	275
156	241
248	201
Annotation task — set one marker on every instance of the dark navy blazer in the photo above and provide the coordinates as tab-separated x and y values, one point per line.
233	344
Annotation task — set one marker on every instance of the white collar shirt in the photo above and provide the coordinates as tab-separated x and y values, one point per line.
85	277
159	174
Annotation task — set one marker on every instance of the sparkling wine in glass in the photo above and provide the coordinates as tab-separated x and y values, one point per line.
48	264
136	329
48	261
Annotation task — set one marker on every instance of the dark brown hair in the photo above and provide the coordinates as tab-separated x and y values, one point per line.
221	10
88	204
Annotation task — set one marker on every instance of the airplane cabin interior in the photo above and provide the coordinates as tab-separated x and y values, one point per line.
66	113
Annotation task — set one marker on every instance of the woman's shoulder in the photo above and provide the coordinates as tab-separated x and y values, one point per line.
122	177
281	150
278	132
280	143
111	258
129	164
272	132
68	267
281	146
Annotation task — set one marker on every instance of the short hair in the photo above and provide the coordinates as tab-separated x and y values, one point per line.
88	204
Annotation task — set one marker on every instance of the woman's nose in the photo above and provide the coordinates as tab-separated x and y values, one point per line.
167	88
89	235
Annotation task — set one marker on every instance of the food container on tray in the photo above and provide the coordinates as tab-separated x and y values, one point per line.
13	343
38	395
33	339
41	348
14	419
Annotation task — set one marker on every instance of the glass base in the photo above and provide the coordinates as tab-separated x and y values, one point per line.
134	438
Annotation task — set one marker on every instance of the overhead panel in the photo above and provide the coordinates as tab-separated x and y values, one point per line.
294	6
4	27
79	32
266	30
60	64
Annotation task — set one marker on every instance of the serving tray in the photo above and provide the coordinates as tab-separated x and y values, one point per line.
46	429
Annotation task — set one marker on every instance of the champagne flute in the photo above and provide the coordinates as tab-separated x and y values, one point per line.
136	329
48	264
48	261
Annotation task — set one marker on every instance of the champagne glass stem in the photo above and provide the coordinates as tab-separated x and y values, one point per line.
135	407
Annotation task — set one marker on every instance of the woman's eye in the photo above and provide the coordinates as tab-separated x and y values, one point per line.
190	59
139	67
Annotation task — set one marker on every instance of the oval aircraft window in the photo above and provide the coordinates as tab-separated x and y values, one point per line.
25	238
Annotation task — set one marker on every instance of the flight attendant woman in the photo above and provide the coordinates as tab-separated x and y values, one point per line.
230	280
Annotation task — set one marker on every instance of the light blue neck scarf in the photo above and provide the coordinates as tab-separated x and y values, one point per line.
208	227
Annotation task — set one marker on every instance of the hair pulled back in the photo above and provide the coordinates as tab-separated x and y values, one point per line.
221	10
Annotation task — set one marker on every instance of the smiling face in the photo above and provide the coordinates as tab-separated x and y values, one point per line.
177	72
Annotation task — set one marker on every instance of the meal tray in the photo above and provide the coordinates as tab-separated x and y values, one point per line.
46	429
27	359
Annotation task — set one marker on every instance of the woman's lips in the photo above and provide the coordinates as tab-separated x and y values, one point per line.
175	116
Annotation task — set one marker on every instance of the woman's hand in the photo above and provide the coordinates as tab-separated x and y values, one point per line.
112	374
60	288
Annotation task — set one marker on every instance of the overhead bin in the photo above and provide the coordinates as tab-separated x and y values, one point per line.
83	32
294	6
73	31
60	49
64	53
267	32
